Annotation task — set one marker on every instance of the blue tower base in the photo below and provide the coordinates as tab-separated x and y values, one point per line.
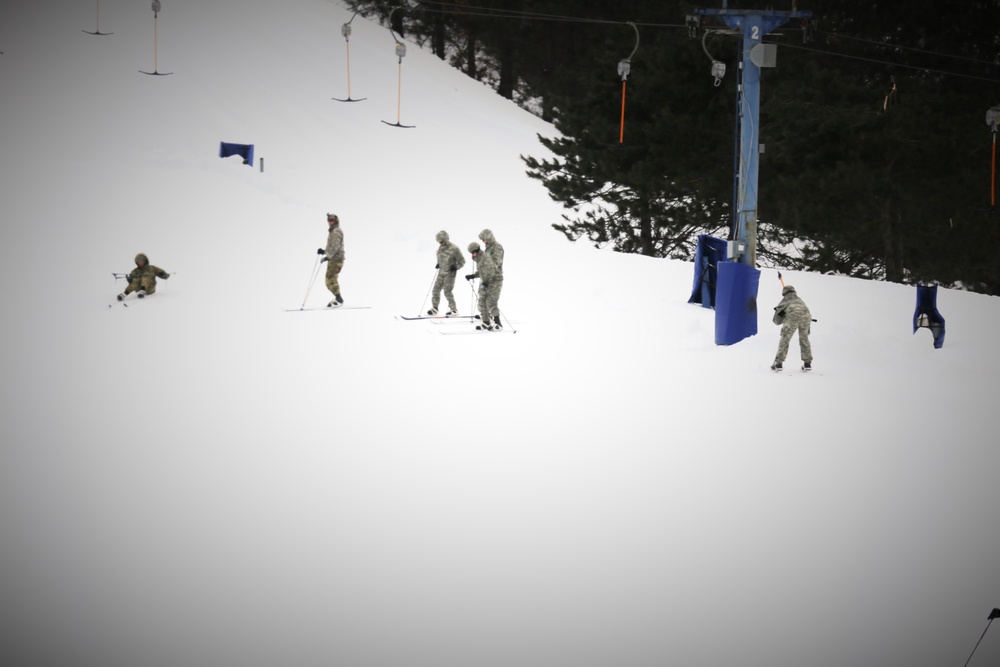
735	302
926	314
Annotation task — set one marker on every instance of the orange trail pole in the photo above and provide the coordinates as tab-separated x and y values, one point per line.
399	92
400	52
348	70
97	31
993	174
345	30
621	132
156	67
624	68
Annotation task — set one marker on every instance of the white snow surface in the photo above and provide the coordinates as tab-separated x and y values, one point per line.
204	479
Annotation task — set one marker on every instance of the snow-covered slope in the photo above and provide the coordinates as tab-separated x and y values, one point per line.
202	478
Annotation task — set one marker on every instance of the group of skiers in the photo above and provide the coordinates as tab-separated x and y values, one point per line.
489	270
791	313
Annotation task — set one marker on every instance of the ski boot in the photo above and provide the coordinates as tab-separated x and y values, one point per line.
776	367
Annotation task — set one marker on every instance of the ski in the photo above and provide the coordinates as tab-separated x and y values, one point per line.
123	303
298	310
802	371
435	317
467	332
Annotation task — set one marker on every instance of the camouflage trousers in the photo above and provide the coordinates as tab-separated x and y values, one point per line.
788	329
146	283
445	281
332	276
489	299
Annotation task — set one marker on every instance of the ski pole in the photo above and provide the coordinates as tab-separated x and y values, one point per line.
993	614
503	315
312	280
429	288
473	298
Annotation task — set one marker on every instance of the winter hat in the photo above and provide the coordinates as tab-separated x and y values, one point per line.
332	218
141	259
442	236
473	248
486	236
788	289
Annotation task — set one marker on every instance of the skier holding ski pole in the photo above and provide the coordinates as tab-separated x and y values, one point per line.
490	282
449	261
792	315
495	251
142	279
334	254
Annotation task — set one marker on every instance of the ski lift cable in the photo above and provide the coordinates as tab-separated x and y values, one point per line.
906	48
451	8
890	63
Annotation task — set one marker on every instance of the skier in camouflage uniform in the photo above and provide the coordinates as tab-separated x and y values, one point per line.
495	251
792	315
489	285
334	255
142	280
449	261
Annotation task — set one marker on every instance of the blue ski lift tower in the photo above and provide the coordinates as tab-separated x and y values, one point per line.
738	318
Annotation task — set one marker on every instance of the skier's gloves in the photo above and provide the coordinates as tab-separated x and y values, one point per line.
323	260
437	266
471	276
320	251
163	274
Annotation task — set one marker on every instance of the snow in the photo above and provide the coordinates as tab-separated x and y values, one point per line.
202	478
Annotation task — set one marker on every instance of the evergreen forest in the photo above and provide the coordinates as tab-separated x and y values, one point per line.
878	153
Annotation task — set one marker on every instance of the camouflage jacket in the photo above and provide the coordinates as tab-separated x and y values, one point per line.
791	309
335	244
486	269
493	249
143	269
449	257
